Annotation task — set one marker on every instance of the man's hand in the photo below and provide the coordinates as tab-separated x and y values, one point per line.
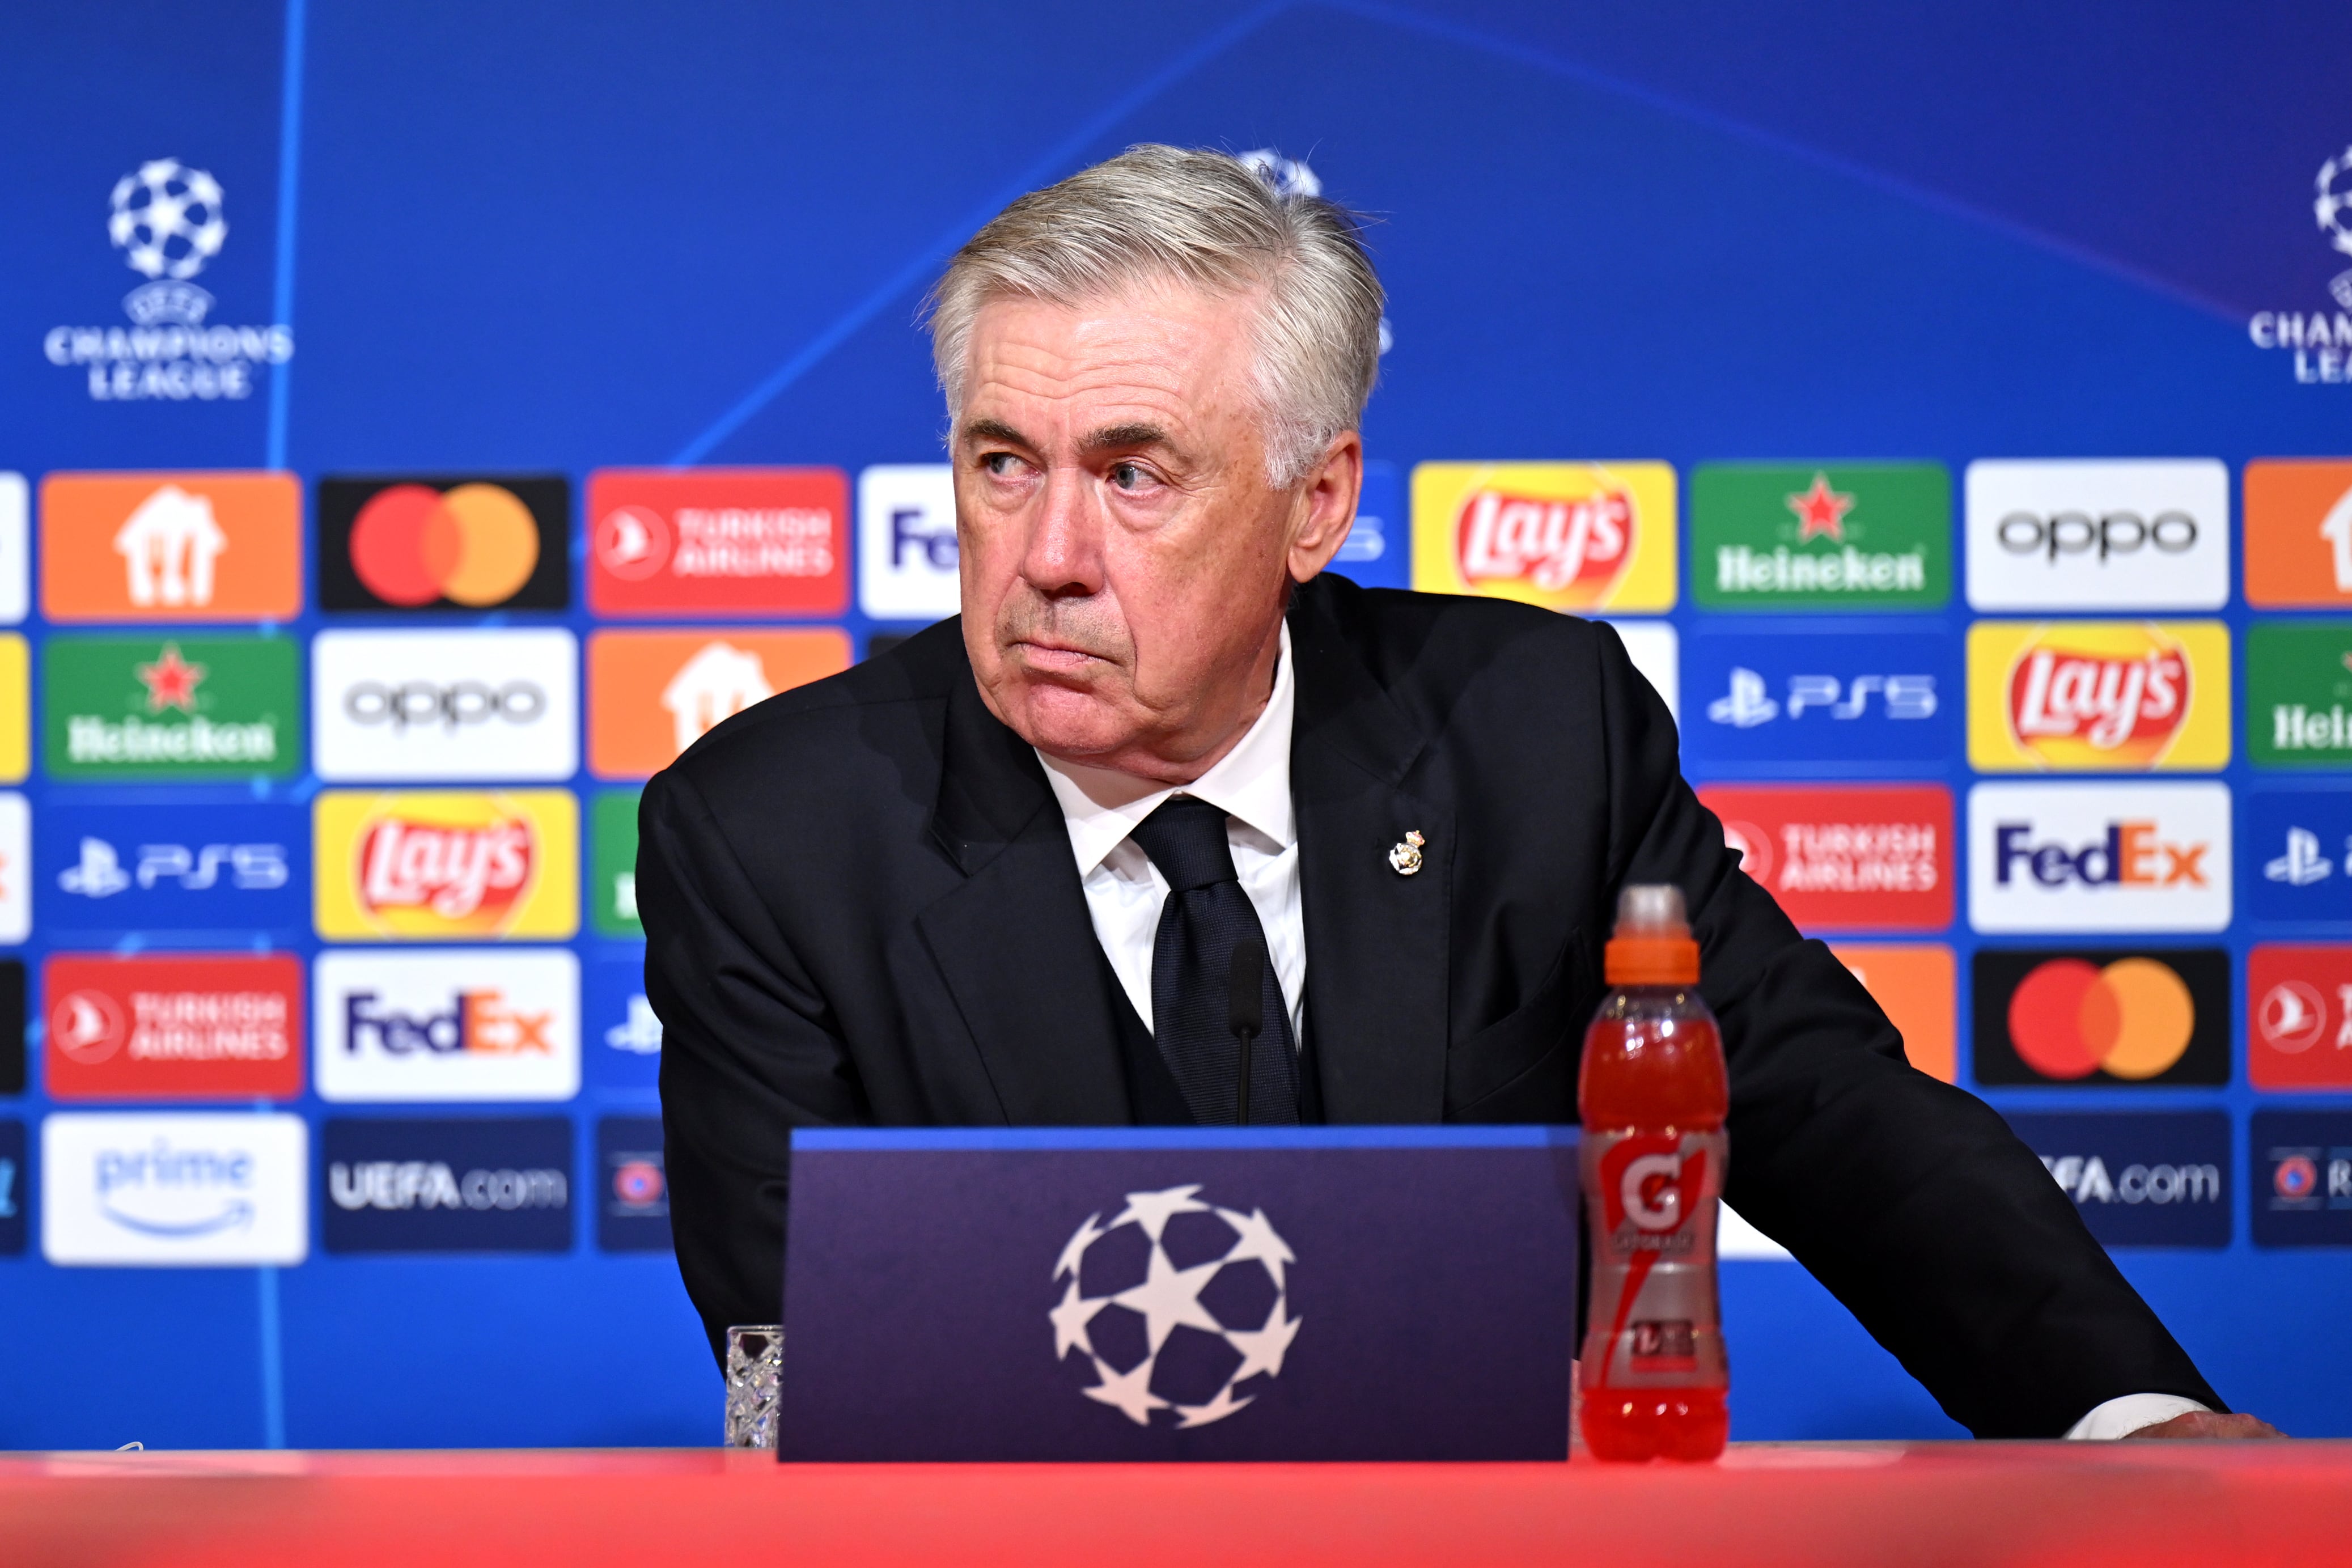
2206	1424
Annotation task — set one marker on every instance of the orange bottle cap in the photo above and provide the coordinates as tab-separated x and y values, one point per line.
1652	943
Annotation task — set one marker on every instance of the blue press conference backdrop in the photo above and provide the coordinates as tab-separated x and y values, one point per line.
512	241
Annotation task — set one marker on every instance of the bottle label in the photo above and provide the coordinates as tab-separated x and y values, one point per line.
1651	1200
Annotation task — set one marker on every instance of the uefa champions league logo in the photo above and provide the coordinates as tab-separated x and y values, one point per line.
167	219
1159	1304
2332	205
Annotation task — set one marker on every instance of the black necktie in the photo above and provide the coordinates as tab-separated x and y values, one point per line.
1207	918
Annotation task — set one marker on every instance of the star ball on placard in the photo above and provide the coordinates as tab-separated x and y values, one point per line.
1177	1306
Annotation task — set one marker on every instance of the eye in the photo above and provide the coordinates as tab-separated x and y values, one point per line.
1129	476
999	463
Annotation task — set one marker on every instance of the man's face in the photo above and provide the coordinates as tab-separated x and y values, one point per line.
1125	561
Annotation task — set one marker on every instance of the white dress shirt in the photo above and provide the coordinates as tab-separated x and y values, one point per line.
1252	784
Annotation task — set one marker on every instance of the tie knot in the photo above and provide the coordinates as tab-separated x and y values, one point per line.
1186	839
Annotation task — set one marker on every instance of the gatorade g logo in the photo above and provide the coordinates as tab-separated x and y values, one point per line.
1568	536
2131	855
443	543
1577	547
2098	696
1643	1179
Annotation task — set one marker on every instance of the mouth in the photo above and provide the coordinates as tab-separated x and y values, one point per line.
1049	656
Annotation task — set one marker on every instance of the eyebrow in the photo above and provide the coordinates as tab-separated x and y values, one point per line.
1111	436
1109	439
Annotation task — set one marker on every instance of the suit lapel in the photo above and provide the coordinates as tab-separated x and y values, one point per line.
1013	940
1377	964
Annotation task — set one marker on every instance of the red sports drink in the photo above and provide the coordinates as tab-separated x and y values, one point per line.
1653	1095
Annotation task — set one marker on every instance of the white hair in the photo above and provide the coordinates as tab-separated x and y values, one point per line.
1211	221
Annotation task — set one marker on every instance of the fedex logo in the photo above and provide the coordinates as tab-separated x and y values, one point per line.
2131	854
475	1021
907	561
2110	857
454	1024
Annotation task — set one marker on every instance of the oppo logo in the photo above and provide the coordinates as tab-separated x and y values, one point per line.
450	704
2079	533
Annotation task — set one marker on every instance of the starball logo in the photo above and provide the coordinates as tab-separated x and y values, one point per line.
2319	340
170	221
428	866
1570	536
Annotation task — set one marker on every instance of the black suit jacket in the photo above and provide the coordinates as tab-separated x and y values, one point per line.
861	908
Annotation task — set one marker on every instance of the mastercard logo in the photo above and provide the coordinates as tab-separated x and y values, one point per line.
441	542
2069	1018
474	545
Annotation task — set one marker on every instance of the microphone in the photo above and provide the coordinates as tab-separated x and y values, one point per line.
1246	1015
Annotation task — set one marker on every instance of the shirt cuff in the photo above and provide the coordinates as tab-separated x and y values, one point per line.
2121	1418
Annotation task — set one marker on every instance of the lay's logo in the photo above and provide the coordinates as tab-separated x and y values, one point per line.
1578	546
446	865
1568	536
2098	696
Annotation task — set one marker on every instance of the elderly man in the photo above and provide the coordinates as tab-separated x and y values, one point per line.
998	875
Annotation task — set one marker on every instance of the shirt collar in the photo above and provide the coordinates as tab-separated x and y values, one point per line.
1251	782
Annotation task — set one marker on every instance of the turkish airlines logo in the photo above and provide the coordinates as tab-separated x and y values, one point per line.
2115	696
1845	856
87	1027
179	1026
718	541
2299	1029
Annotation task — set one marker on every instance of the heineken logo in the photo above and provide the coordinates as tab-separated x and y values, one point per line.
1846	537
2299	693
135	708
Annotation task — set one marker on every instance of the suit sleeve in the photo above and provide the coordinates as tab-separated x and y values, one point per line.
749	1052
1908	1198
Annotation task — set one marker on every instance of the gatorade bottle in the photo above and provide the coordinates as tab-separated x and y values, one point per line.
1652	1097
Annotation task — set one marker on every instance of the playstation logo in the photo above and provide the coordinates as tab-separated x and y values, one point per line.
2303	864
641	1034
98	875
1747	706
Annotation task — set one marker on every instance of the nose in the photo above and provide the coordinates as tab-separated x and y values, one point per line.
1064	559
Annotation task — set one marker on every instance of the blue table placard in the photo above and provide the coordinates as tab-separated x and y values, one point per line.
1359	1294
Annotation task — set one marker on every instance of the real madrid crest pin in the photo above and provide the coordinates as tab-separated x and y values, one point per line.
1406	857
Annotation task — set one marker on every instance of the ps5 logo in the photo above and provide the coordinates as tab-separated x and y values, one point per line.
1748	704
98	874
2303	864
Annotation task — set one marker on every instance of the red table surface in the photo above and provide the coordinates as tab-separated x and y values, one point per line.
2073	1504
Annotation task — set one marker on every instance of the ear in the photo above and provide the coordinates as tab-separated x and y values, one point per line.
1326	505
